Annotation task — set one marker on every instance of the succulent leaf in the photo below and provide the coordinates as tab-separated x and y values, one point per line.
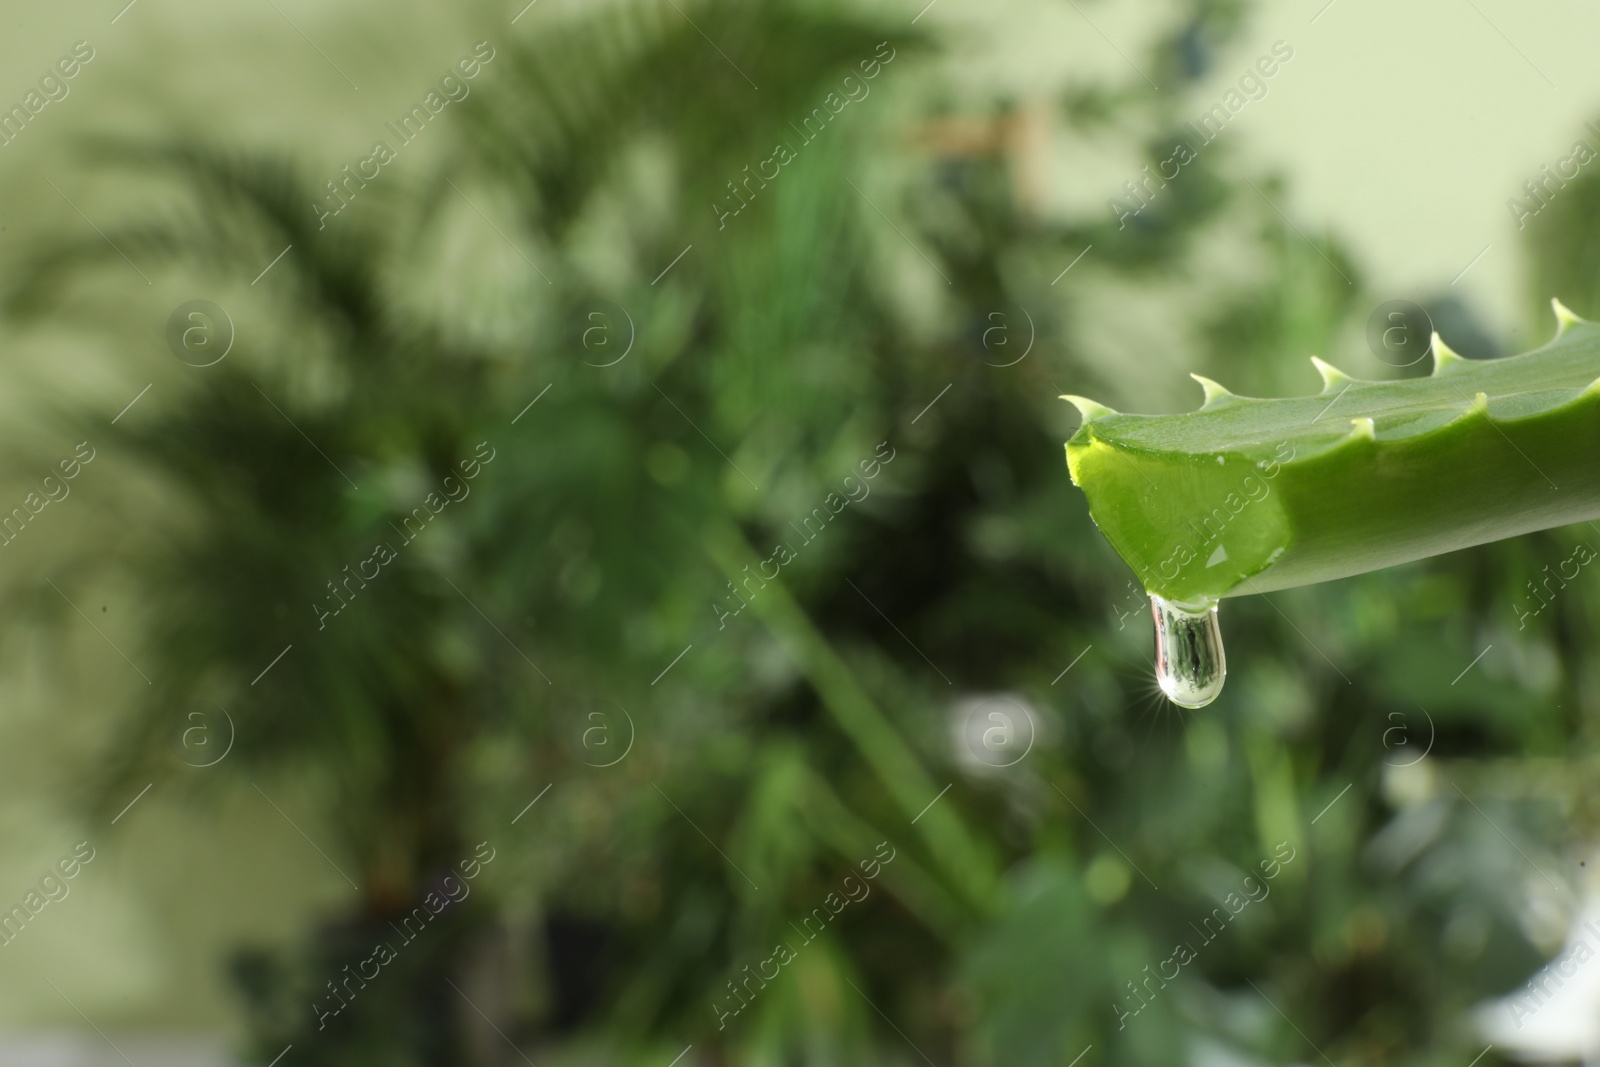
1251	495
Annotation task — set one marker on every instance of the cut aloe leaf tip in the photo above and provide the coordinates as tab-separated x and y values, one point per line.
1251	495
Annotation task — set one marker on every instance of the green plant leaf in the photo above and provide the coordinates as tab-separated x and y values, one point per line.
1248	495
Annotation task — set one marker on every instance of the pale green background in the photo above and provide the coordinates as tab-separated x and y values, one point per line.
1403	128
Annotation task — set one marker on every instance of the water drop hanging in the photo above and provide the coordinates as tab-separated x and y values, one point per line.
1190	666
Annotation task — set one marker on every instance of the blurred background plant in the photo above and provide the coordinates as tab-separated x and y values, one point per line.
656	394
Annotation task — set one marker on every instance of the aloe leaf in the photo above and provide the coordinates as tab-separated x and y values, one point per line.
1249	496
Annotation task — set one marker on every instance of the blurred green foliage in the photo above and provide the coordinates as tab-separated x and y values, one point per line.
586	583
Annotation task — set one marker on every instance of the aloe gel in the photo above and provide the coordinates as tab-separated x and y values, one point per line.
1190	665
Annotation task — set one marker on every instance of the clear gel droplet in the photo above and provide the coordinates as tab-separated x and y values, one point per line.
1190	666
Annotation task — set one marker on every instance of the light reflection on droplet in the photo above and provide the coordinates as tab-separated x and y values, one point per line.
1190	666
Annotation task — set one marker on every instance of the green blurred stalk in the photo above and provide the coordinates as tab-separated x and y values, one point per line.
850	835
965	865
